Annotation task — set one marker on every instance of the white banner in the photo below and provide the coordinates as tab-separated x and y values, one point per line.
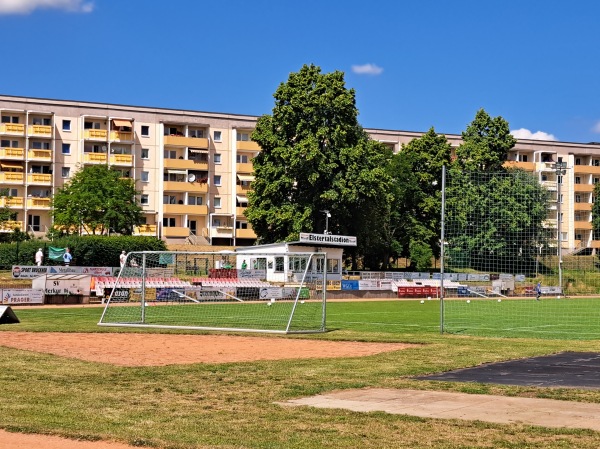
22	296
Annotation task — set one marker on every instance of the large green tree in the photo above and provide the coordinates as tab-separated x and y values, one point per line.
495	216
316	157
486	143
99	200
417	172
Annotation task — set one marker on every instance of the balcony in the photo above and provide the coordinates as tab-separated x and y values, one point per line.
245	233
16	202
176	231
96	134
222	232
121	136
242	189
586	169
185	209
146	230
595	244
39	155
121	159
192	187
39	178
181	141
582	224
583	188
95	158
14	129
240	211
39	131
550	185
12	177
10	226
527	166
38	203
582	206
244	167
247	145
185	164
12	153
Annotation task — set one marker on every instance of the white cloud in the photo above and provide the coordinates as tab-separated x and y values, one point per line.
28	6
526	134
367	69
596	128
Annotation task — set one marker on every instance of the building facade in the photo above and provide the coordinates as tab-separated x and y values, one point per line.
194	169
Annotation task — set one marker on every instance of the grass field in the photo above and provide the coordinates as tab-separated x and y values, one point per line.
232	405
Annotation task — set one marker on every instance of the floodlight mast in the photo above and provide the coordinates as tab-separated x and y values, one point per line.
327	216
560	170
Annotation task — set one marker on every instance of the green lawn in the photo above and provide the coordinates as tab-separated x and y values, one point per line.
233	405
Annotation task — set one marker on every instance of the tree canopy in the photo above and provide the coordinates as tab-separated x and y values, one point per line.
98	200
316	157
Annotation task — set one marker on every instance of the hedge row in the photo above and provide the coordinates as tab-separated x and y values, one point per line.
89	251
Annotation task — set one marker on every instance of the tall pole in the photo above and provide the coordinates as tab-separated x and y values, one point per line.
442	244
560	170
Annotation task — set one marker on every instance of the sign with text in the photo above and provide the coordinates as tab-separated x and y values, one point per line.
22	296
327	239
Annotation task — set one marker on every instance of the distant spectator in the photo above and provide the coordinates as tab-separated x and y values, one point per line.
244	265
39	257
123	258
67	257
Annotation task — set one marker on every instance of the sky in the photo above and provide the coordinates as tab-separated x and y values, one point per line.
413	64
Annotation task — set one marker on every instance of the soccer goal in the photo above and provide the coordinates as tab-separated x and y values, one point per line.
228	291
500	239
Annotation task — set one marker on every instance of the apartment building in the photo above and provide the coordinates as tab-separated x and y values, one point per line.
193	169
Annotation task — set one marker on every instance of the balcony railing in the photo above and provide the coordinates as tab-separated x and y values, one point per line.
195	187
12	153
582	224
185	164
181	209
14	202
583	188
176	231
245	167
43	155
95	158
39	130
121	159
13	129
10	226
95	134
584	169
121	136
245	233
181	141
247	145
38	203
527	166
39	178
147	230
222	231
12	177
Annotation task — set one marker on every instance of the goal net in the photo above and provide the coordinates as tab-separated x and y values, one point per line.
251	292
501	238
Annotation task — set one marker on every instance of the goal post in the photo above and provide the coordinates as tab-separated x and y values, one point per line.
226	291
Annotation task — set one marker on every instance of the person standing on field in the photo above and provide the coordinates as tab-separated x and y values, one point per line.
122	258
39	257
538	291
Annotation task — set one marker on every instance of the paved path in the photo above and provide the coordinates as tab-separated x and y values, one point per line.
438	404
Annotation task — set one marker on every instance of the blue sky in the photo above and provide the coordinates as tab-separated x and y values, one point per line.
413	64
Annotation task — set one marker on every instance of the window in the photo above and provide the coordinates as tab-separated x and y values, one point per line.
297	263
217	158
10	119
170	154
279	264
242	159
559	179
144	201
578	236
241	225
217	136
41	121
66	125
243	137
169	222
66	148
217	180
9	143
145	153
333	266
40	145
523	158
577	161
145	131
34	222
577	180
596	180
169	199
217	202
596	162
145	176
578	198
91	125
216	222
13	192
198	133
66	172
195	200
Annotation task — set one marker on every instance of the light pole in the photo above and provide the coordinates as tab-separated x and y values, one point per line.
560	170
327	216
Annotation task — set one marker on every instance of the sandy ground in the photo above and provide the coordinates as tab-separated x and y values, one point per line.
161	349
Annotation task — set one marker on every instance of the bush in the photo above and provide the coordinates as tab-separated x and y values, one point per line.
89	251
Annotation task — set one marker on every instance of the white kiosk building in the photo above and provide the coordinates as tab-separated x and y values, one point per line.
283	262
